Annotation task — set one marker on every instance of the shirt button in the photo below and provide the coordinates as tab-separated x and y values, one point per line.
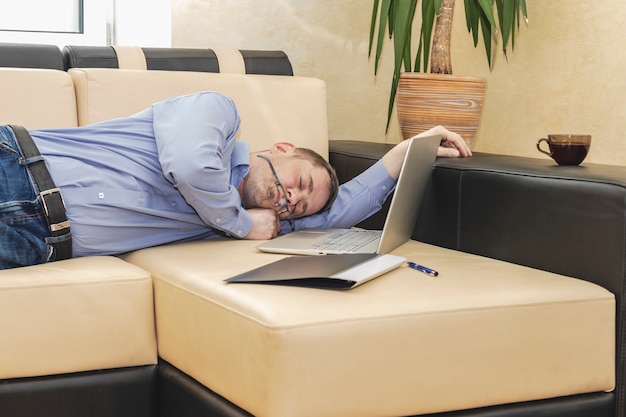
218	220
384	187
100	196
239	232
140	200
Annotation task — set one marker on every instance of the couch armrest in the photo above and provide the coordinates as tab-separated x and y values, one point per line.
568	220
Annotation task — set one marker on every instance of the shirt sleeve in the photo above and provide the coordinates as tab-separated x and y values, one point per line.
357	199
195	137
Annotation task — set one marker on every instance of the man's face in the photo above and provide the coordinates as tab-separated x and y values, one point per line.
306	186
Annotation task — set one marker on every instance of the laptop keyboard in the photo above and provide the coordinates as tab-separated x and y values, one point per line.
348	241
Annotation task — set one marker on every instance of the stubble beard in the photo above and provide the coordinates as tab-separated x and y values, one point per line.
257	195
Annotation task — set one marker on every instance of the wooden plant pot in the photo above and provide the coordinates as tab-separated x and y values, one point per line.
427	100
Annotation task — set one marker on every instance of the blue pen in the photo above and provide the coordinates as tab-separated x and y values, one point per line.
427	271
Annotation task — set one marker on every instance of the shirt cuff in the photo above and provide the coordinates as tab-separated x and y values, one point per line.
237	227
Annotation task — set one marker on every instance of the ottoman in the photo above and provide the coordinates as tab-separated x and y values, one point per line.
484	332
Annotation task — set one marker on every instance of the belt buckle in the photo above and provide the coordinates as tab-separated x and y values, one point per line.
56	226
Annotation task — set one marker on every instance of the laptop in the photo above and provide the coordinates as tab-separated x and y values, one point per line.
401	217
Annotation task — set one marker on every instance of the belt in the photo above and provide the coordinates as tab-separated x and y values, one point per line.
51	198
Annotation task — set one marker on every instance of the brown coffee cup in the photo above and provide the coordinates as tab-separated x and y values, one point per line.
566	149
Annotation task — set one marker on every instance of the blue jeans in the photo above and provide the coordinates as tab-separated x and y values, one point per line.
24	233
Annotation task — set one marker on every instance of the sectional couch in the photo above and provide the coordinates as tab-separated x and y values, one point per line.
525	318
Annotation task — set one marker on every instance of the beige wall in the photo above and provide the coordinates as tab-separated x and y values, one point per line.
564	76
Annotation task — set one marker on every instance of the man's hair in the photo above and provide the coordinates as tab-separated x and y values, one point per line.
318	161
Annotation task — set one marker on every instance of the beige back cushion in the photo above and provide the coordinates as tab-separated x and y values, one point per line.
130	57
272	108
37	98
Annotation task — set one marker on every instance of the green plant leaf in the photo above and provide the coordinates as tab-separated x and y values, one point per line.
507	22
403	12
373	27
519	11
509	16
392	19
486	29
471	18
382	26
437	6
487	8
428	22
406	58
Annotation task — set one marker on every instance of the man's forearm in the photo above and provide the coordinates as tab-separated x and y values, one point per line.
453	146
392	160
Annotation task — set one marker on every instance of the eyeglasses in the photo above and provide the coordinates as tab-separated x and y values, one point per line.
285	205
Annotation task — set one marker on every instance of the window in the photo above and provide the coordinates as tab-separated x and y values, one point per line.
61	16
60	22
88	22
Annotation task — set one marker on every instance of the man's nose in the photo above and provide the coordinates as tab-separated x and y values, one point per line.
293	198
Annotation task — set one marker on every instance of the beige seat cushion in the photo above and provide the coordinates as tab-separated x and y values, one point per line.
37	98
77	315
273	108
484	332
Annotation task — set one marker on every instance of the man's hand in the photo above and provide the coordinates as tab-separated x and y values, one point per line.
266	224
452	146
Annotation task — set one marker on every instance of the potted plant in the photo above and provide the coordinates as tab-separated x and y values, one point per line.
484	18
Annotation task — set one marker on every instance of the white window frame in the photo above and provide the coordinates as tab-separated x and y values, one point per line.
110	22
94	29
60	16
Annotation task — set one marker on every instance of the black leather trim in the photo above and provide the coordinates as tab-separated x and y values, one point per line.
365	151
20	55
178	59
126	392
266	62
90	57
571	227
537	167
599	404
182	396
165	391
181	59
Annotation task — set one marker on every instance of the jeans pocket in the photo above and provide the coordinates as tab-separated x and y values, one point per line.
7	142
53	242
22	232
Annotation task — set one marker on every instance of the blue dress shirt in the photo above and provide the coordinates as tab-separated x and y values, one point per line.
170	174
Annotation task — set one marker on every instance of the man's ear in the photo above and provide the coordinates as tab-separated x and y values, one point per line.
283	147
